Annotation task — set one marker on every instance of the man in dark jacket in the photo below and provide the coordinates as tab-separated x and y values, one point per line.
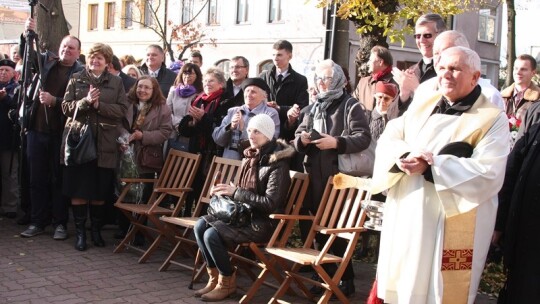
116	69
288	89
8	144
517	216
155	67
44	126
238	71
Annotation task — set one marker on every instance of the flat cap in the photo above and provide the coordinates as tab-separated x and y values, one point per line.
7	62
256	81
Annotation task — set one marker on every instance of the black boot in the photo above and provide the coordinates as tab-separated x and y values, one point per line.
96	219
79	217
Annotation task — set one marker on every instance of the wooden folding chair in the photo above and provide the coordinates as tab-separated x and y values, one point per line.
183	226
295	198
339	216
175	179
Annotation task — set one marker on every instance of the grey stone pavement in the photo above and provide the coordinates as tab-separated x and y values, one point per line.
42	270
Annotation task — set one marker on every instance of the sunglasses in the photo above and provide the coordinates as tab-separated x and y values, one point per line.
426	36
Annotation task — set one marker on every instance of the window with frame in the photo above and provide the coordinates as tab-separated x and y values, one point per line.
224	64
128	14
148	13
110	8
187	11
266	65
487	24
274	11
242	11
93	17
213	13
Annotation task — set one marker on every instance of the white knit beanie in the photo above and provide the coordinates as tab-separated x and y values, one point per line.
264	124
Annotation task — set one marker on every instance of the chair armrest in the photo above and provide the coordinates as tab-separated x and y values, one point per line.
342	230
291	217
138	180
169	190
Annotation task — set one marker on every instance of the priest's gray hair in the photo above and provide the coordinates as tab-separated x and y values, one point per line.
472	60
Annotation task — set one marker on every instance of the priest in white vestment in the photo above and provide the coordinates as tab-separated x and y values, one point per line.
442	199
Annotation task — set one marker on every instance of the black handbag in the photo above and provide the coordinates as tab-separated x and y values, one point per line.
230	212
80	145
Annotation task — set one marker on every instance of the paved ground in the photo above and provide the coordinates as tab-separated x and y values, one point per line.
41	270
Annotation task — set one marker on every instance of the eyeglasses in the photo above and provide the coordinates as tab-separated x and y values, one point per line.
236	67
426	36
323	79
188	73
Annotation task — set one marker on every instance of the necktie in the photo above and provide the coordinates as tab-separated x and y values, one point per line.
279	80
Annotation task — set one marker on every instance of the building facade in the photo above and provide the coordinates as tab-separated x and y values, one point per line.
250	27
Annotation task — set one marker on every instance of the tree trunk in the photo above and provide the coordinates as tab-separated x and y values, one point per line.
367	42
511	44
51	26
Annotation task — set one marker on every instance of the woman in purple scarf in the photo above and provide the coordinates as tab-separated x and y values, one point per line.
186	87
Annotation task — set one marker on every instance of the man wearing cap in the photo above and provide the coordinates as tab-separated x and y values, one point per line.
8	140
385	93
44	124
232	133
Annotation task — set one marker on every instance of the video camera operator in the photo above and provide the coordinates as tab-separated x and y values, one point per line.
43	124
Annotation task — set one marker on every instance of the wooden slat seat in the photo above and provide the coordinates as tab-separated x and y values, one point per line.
174	180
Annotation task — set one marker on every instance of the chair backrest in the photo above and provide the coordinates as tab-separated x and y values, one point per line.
230	172
295	198
178	172
341	208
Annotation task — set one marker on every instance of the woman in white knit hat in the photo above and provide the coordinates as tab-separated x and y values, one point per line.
264	182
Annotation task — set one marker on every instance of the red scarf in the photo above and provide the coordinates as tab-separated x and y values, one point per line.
377	76
207	98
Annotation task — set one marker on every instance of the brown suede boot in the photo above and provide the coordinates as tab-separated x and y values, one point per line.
226	287
212	282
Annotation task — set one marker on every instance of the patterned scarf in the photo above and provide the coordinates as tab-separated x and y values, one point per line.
185	90
142	115
325	99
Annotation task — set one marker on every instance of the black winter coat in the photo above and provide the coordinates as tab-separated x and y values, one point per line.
273	183
321	164
519	211
293	90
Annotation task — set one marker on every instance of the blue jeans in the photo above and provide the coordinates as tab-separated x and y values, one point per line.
43	155
213	249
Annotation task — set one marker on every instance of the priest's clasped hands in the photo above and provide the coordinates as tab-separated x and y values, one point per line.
415	162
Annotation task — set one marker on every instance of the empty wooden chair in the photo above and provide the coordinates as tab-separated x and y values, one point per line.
175	179
339	216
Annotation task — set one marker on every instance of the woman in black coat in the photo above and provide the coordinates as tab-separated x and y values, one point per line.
326	120
264	182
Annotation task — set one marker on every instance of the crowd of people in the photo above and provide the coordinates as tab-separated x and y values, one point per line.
442	134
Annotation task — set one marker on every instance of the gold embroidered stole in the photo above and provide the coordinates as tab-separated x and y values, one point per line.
459	229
